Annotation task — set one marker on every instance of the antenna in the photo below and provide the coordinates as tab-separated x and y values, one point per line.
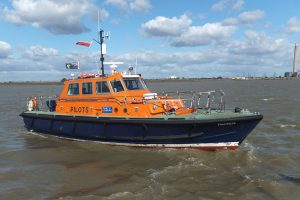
107	35
135	64
98	21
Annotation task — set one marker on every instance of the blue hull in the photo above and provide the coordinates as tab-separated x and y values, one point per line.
177	133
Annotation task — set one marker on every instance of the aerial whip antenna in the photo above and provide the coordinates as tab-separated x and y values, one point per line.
98	21
102	44
135	64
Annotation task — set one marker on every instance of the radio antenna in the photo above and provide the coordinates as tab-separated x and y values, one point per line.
135	64
98	21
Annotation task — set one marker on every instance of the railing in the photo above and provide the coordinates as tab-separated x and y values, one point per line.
209	100
206	101
41	103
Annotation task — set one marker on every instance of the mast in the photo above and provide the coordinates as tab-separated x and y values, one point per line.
101	38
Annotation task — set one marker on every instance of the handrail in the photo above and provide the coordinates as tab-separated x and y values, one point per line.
208	100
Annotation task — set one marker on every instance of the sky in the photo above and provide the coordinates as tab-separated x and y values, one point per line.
191	38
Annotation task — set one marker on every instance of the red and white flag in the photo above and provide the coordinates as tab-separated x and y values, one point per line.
86	44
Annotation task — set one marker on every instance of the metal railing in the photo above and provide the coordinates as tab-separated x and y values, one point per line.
209	100
41	103
205	101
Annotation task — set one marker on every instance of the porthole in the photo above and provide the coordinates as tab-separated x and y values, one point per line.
116	109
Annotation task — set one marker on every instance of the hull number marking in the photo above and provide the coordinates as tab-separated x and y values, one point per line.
107	109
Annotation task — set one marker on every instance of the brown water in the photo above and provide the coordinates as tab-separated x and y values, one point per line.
266	166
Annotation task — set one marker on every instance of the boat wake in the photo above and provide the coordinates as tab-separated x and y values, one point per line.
251	152
287	125
269	99
36	134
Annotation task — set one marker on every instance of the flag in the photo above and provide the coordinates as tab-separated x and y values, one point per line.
74	65
86	44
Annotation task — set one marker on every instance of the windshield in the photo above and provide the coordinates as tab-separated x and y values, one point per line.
117	85
133	83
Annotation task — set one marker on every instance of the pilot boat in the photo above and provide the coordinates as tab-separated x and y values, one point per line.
119	109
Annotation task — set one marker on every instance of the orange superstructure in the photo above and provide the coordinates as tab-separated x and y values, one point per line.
114	95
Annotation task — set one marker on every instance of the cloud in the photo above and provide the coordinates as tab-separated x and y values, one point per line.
293	25
245	18
256	54
188	64
219	6
234	5
179	31
203	35
238	5
5	49
57	17
258	43
140	5
35	58
251	16
38	58
38	52
120	4
130	5
163	26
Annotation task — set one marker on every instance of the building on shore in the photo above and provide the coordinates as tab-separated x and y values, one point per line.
239	78
292	74
173	77
295	73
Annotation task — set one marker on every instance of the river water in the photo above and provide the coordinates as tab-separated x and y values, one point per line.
266	166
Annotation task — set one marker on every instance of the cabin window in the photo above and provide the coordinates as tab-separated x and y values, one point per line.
133	83
117	85
102	87
87	88
73	89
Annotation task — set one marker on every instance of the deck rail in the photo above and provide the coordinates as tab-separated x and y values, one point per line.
41	103
207	101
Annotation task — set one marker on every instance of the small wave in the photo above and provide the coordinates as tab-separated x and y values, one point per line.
287	125
293	179
251	152
169	169
269	99
35	134
120	195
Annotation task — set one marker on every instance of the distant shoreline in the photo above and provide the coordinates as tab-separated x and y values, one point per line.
148	80
32	83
